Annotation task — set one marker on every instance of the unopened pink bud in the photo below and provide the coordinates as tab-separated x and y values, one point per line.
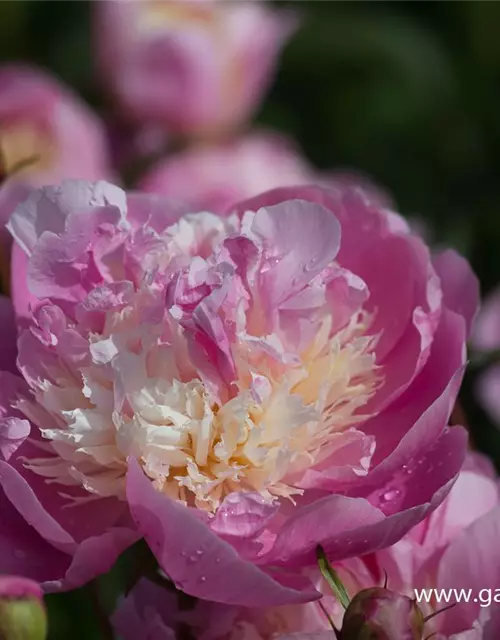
22	612
381	614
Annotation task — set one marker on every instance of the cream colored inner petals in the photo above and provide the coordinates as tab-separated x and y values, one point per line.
24	149
140	397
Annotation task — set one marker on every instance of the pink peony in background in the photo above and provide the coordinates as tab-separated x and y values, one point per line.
486	339
43	120
235	389
46	135
214	177
199	67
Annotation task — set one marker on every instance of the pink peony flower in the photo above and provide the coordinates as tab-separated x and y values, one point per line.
247	386
46	135
199	67
212	178
486	338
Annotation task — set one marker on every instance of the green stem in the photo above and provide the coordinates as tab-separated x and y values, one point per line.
332	578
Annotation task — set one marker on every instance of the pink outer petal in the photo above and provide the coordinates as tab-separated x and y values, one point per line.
19	588
347	527
488	391
87	557
94	557
362	221
346	463
49	208
417	418
198	562
19	492
472	496
460	285
23	551
472	562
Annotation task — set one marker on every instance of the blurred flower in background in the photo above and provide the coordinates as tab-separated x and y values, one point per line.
214	177
486	340
200	67
47	134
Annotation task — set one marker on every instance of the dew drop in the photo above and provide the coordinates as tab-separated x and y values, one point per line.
270	263
202	579
392	494
199	552
217	560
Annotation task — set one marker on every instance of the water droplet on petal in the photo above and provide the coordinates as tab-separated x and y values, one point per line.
269	264
392	494
199	552
202	579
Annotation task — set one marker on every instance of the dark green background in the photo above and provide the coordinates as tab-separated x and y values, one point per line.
408	92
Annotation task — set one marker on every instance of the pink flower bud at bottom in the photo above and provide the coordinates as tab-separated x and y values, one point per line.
381	614
22	612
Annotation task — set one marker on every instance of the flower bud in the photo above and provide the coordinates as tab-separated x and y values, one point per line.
381	614
22	612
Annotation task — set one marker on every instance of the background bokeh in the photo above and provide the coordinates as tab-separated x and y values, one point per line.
406	92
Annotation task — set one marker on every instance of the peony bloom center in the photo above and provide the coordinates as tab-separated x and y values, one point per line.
196	372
